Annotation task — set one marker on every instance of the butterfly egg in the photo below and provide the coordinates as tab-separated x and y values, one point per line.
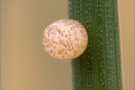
65	39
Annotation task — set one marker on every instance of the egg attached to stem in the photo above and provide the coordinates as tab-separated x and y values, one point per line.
65	39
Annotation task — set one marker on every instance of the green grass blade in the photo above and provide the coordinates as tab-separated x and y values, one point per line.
99	67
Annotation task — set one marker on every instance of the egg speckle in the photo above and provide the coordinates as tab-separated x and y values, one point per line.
65	39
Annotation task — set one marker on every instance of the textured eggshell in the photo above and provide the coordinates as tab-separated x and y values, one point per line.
65	39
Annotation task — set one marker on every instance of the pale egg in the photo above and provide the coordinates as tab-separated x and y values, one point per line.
65	39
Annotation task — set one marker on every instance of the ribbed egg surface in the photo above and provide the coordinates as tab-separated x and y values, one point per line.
65	39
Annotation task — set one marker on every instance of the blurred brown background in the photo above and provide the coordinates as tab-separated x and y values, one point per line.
26	66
